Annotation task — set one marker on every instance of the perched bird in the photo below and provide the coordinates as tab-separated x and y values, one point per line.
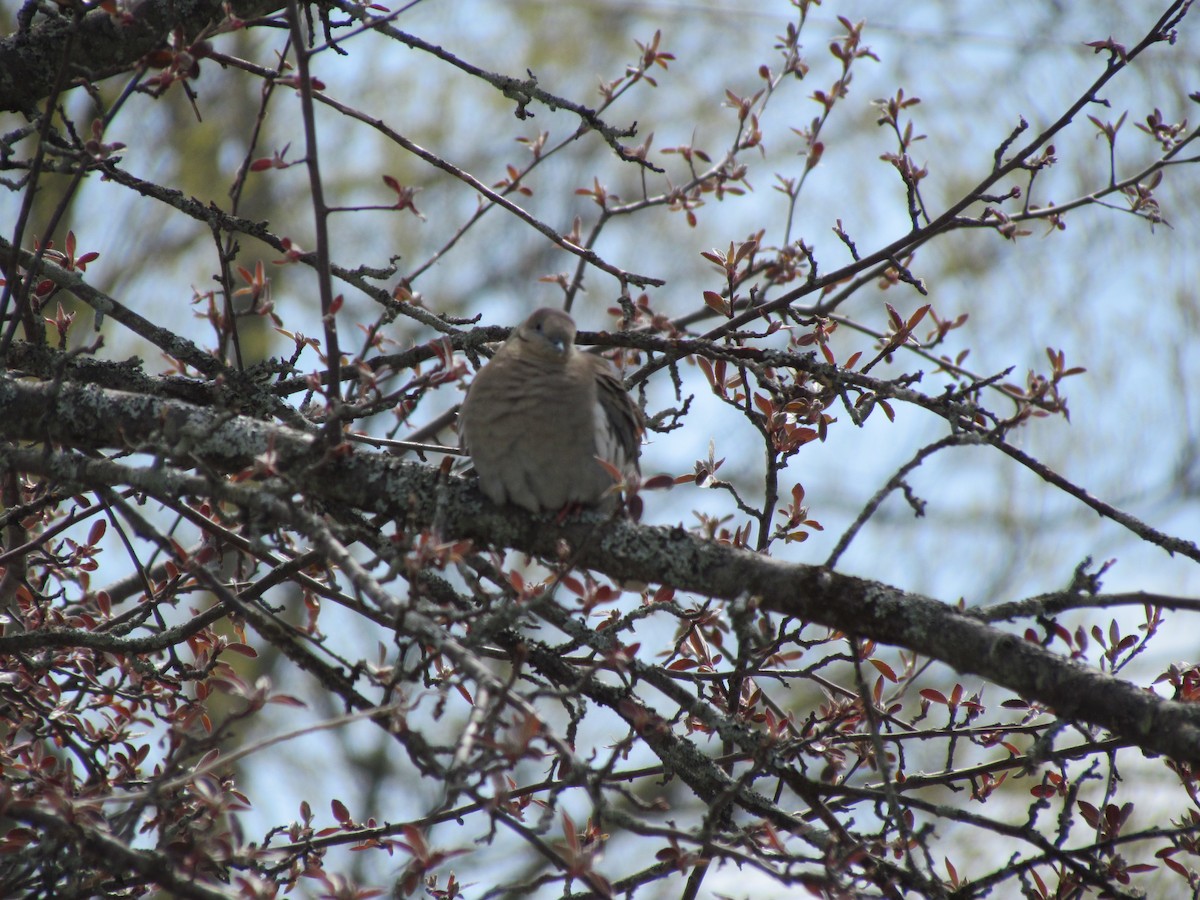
539	414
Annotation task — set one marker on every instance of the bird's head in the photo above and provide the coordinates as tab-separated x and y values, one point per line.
548	334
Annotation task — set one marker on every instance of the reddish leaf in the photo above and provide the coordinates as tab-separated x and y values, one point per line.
658	483
916	318
341	813
716	302
97	532
884	669
1090	814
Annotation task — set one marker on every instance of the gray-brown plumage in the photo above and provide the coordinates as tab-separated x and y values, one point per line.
539	414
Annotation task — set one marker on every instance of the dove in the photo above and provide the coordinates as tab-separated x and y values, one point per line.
541	413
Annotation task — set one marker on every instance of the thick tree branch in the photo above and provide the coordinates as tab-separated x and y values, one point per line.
91	418
104	45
